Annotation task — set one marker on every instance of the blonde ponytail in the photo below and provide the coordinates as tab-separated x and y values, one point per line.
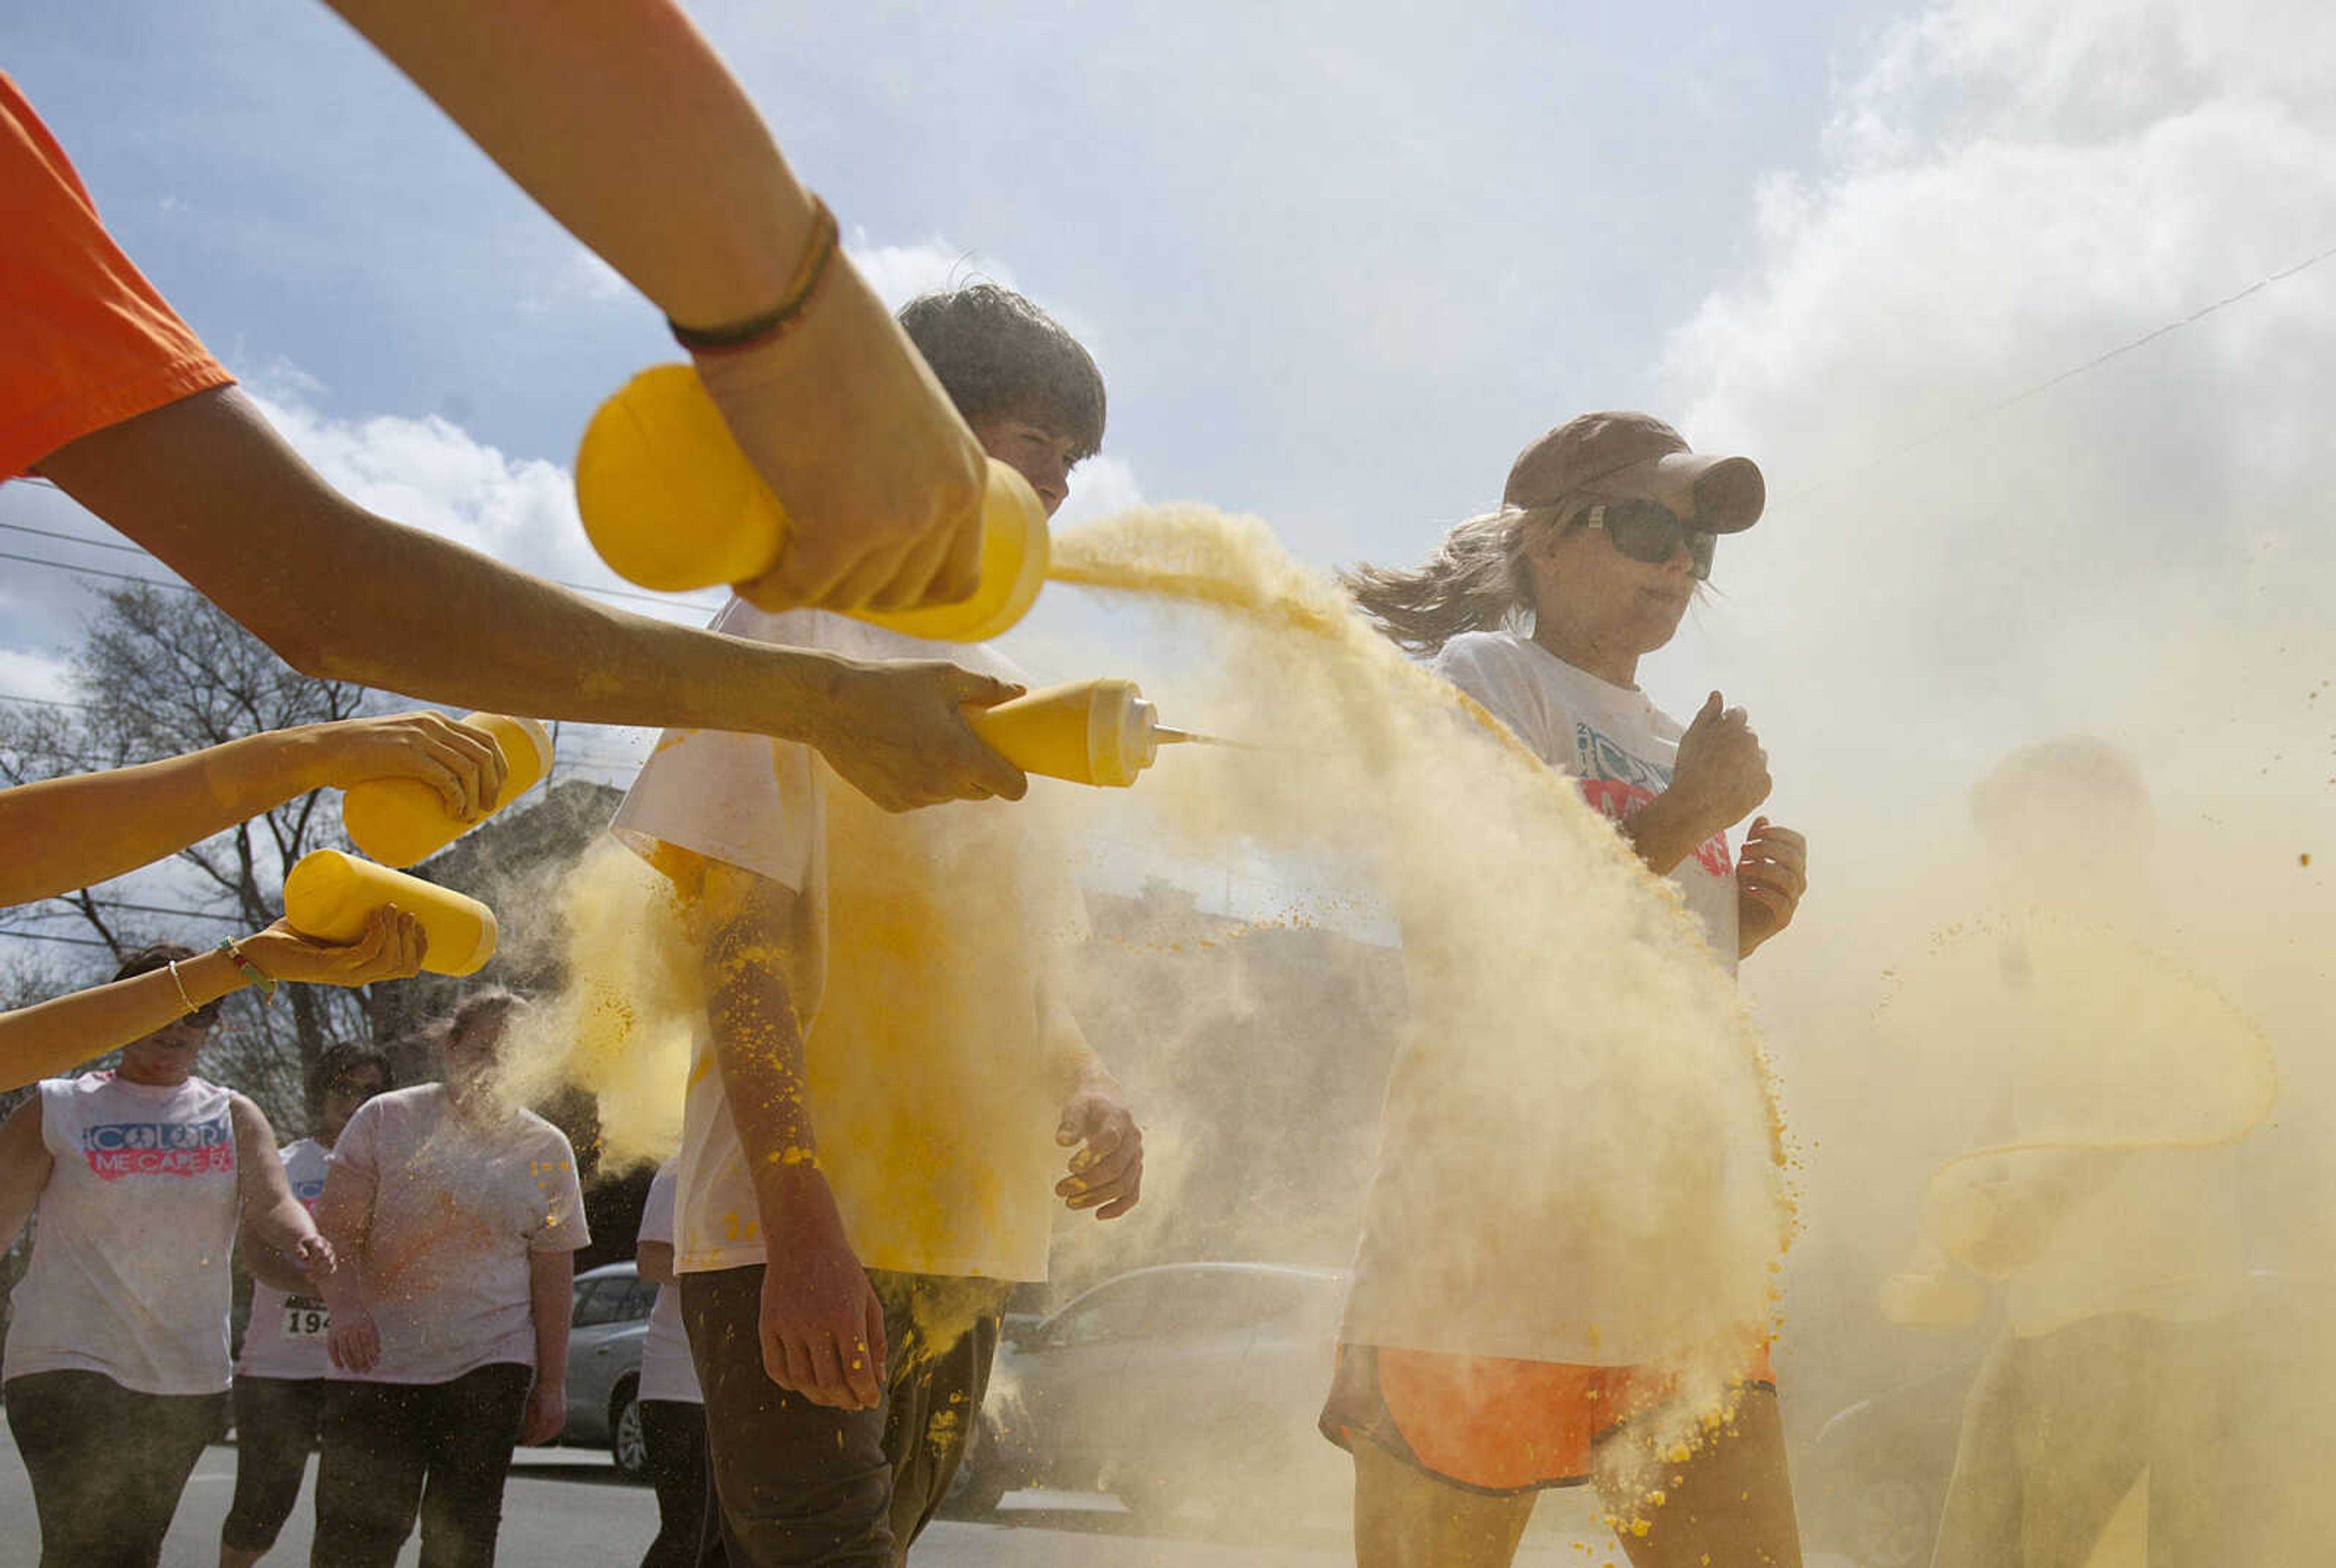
1476	581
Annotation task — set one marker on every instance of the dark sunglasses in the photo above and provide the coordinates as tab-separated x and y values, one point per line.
1652	533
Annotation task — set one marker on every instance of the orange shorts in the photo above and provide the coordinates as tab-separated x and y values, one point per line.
1491	1425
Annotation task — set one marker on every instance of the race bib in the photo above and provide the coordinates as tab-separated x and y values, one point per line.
305	1319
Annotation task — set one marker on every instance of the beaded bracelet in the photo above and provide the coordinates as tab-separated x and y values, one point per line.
265	982
757	331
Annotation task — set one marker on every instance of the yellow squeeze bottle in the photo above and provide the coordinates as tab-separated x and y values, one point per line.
328	895
671	503
399	820
1093	731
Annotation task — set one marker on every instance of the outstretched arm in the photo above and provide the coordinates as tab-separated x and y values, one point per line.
207	486
47	1037
70	833
623	123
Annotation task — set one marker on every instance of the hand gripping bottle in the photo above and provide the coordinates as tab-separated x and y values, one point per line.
328	895
1094	732
399	820
672	503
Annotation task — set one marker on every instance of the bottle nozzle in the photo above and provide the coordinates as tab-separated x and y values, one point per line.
1166	737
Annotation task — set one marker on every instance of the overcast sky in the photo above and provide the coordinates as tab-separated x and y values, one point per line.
1339	261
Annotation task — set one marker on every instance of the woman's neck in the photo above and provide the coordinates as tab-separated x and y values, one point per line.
1585	652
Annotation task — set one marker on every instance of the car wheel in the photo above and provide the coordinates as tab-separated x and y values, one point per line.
1153	1500
1892	1522
627	1444
981	1481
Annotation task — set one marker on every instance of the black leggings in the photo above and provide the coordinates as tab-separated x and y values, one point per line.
690	1521
277	1420
107	1465
442	1449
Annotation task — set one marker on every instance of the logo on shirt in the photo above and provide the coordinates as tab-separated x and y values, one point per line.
1619	784
119	1149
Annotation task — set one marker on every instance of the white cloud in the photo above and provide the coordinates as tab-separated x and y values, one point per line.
40	676
899	273
1100	486
589	277
432	474
2010	193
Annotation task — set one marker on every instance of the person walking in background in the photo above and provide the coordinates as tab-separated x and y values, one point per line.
279	1379
673	1410
458	1217
1540	613
117	1357
2108	1196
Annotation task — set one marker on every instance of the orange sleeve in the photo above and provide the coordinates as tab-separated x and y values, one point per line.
85	341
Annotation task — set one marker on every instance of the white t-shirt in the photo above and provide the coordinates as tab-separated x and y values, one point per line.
1614	742
917	945
137	1224
1549	1280
2162	1237
286	1335
667	1370
456	1209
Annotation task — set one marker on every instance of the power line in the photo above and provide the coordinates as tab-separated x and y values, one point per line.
1961	421
134	908
61	942
94	571
666	600
74	537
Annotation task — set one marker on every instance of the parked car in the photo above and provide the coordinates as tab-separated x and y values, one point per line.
607	1324
1873	1483
1185	1385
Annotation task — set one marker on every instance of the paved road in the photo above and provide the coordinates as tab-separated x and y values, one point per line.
566	1507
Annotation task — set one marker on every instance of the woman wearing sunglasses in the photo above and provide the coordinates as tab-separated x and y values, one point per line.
144	1177
1541	612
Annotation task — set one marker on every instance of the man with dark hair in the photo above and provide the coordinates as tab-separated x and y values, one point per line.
1030	390
884	1086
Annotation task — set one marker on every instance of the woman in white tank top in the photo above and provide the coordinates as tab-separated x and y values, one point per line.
118	1352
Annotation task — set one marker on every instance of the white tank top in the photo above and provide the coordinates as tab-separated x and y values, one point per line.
286	1335
132	1236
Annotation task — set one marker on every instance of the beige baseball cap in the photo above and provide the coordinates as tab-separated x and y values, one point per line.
1621	453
